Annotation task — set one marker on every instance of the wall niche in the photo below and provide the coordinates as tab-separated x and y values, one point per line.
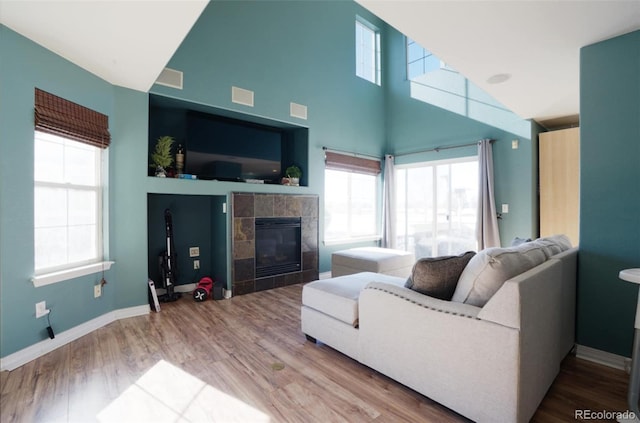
225	145
198	221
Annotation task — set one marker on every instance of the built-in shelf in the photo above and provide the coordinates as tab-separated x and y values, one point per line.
227	146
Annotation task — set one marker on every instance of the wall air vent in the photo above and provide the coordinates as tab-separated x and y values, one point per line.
242	96
170	78
298	110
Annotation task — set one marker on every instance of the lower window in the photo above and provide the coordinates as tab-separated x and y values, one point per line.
67	203
436	207
350	206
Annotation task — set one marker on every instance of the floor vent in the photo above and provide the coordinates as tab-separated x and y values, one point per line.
242	96
298	110
170	78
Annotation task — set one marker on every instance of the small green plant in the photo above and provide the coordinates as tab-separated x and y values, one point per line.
293	171
161	157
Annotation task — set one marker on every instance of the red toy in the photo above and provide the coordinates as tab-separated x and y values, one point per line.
203	290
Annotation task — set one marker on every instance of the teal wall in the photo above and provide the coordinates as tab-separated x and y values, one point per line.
128	196
609	192
23	67
283	51
414	125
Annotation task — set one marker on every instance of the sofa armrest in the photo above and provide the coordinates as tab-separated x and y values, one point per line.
441	350
569	263
524	296
449	307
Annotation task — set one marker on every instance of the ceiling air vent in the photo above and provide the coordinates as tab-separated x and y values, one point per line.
170	78
242	96
298	110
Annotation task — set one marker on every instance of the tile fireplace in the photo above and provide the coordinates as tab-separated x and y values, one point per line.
275	240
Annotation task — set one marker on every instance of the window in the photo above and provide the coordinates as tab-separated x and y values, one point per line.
67	203
421	60
367	51
69	144
436	207
351	198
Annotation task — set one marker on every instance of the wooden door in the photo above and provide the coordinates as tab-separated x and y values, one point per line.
559	162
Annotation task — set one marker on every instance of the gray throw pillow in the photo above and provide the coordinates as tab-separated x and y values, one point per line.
488	270
438	276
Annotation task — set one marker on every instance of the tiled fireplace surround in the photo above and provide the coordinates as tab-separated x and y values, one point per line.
245	208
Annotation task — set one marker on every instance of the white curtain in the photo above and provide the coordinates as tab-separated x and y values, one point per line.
388	204
487	225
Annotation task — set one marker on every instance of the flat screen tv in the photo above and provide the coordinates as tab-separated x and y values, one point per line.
232	150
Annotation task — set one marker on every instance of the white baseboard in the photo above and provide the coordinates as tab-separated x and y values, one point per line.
187	287
325	275
605	358
19	358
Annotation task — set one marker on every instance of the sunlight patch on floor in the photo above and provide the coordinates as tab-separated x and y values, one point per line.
166	393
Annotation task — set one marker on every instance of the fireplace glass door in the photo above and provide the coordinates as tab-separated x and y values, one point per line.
278	246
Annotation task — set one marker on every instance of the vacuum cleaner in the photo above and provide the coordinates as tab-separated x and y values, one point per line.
168	263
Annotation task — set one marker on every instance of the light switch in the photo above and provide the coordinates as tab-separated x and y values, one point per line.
505	208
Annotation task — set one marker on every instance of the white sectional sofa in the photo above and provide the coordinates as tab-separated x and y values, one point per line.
491	361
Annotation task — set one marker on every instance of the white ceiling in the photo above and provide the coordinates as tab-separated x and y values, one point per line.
128	43
536	42
125	42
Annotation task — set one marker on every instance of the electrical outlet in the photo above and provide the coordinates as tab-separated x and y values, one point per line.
196	264
194	251
97	290
41	309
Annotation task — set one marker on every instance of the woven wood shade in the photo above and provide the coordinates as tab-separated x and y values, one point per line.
348	163
58	116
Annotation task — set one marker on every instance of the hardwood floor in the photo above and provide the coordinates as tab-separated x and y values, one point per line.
243	360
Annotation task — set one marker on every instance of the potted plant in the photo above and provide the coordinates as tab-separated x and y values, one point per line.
161	156
293	174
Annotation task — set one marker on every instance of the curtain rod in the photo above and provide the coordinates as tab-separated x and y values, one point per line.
349	153
437	149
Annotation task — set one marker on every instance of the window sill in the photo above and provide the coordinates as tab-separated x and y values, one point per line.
352	240
63	275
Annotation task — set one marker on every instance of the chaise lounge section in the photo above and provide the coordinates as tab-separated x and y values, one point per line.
489	359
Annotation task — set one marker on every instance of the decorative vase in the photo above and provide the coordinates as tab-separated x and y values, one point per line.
160	172
294	182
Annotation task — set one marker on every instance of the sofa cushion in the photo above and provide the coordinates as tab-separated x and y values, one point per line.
491	267
338	297
438	276
552	245
372	259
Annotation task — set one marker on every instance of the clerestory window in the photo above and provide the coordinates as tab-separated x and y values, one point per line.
368	51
